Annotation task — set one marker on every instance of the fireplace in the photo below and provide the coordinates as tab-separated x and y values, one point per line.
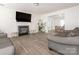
23	30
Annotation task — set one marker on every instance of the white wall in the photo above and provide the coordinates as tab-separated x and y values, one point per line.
7	20
71	17
9	25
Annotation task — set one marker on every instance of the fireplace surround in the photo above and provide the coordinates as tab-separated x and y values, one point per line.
23	30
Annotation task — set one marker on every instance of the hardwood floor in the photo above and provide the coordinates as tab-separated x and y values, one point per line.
32	44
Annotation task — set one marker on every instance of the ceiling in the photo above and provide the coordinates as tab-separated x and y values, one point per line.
41	9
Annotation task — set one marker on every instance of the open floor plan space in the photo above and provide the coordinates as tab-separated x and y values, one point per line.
39	29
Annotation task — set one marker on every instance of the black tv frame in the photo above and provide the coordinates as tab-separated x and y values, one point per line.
23	17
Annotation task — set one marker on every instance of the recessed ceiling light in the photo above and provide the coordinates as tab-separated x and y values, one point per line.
36	4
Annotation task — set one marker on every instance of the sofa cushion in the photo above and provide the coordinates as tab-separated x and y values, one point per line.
67	34
3	35
76	29
61	34
5	42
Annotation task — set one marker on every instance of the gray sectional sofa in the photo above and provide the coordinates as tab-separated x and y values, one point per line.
66	43
6	46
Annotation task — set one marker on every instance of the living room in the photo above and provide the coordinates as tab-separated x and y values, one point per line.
62	14
8	18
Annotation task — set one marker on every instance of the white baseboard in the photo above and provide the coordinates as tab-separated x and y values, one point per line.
15	34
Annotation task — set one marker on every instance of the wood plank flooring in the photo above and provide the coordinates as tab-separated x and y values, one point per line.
32	44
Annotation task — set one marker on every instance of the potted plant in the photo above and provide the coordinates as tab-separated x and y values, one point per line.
41	26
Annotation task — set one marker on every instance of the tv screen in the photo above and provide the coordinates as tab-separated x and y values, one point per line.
23	17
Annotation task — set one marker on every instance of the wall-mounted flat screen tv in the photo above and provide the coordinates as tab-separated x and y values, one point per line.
23	17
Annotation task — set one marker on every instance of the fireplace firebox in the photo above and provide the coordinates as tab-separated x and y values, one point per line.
23	30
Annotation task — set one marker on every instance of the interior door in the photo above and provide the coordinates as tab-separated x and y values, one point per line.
50	23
